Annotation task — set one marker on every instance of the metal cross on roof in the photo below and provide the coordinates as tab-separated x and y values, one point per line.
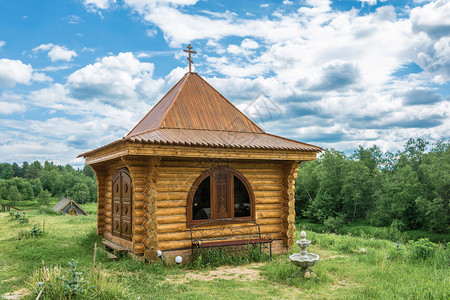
189	57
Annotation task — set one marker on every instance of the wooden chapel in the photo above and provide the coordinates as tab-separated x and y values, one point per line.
165	175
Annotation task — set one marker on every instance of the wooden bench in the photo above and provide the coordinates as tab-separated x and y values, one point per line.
118	249
228	232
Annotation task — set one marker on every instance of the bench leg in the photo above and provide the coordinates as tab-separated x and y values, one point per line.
270	251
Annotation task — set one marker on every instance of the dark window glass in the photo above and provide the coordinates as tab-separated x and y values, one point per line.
202	201
241	199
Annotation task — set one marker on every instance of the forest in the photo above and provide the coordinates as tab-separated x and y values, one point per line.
35	184
409	189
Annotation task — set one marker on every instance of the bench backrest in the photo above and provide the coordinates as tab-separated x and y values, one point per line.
225	229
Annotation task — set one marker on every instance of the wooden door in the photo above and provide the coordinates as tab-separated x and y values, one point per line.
122	204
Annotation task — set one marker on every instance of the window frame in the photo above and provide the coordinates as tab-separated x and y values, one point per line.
212	173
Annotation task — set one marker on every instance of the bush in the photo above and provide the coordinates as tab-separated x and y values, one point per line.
422	249
332	224
17	216
33	233
45	210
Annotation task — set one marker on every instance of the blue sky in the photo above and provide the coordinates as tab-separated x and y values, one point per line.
76	75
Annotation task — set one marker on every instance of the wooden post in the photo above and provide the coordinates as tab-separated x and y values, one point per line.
93	264
43	271
98	275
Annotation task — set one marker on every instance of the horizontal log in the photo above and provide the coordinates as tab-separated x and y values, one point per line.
167	228
108	227
171	196
270	229
171	203
139	213
202	164
268	207
139	204
164	246
171	211
139	189
267	187
269	221
139	221
138	248
255	182
262	214
100	211
138	230
173	188
268	200
108	207
267	194
108	214
170	219
138	238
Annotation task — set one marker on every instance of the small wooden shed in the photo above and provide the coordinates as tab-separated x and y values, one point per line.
68	206
195	157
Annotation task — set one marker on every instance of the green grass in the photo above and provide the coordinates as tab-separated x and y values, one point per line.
363	229
384	271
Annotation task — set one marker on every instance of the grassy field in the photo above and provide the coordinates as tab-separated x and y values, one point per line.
384	271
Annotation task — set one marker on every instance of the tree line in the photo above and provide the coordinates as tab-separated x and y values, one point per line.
409	189
25	184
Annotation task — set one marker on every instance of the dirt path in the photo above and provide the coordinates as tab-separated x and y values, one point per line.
243	273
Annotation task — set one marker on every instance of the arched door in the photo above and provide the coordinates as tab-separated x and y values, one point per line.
121	207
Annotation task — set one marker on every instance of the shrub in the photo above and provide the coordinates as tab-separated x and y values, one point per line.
17	216
33	233
332	224
422	249
45	210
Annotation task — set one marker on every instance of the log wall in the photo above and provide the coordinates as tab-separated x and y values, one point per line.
177	176
160	191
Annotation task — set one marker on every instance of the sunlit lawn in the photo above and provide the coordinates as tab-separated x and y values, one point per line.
341	273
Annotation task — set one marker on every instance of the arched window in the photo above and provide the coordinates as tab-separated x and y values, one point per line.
220	193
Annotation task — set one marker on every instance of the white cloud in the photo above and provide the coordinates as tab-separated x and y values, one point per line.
369	2
7	108
56	52
2	43
264	5
151	32
14	71
114	79
249	44
41	77
96	5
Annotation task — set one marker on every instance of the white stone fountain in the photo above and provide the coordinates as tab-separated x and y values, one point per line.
304	259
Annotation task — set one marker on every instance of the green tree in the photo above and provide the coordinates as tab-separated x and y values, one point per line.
7	171
44	198
14	195
81	193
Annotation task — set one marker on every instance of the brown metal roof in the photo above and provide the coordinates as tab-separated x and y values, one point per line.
194	104
193	113
221	139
